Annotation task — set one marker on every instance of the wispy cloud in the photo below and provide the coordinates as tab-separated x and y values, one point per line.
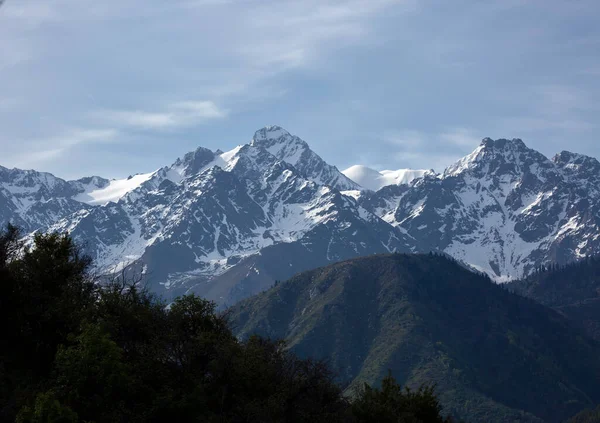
44	150
406	139
560	99
310	29
536	124
455	137
176	115
30	14
262	40
431	150
560	108
331	70
460	137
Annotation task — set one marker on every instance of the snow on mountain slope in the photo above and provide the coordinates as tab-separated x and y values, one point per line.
375	180
226	225
113	191
403	176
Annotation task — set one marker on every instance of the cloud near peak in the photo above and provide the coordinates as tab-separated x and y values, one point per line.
176	115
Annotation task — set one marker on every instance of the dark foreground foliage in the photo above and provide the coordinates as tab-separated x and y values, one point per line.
587	416
72	352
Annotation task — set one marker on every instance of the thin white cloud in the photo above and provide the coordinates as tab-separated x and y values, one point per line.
538	124
408	139
460	137
563	99
559	108
296	33
436	151
44	150
413	139
262	40
30	14
176	115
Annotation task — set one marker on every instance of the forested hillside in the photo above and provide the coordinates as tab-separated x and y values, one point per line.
494	355
573	290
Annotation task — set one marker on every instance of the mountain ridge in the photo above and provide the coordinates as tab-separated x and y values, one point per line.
504	209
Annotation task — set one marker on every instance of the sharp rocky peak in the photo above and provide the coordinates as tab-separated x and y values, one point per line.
281	144
95	180
293	150
582	170
499	156
270	141
270	135
568	160
194	161
504	144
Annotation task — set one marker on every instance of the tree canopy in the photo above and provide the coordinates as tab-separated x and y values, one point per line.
74	350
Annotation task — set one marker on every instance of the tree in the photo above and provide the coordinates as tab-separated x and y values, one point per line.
92	377
45	293
47	409
54	292
392	404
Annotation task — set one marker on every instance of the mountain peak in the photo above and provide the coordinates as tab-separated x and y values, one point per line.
566	159
501	155
503	144
581	169
281	144
270	133
296	152
194	161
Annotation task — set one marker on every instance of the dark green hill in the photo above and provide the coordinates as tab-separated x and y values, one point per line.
495	356
573	290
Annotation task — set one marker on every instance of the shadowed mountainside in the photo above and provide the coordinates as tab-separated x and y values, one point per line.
494	355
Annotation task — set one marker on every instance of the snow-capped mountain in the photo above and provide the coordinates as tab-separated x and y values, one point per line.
504	209
209	213
374	180
227	225
35	200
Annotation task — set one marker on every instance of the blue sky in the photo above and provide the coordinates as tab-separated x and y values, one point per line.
116	87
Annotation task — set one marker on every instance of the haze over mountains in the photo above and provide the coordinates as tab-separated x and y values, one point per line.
227	225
